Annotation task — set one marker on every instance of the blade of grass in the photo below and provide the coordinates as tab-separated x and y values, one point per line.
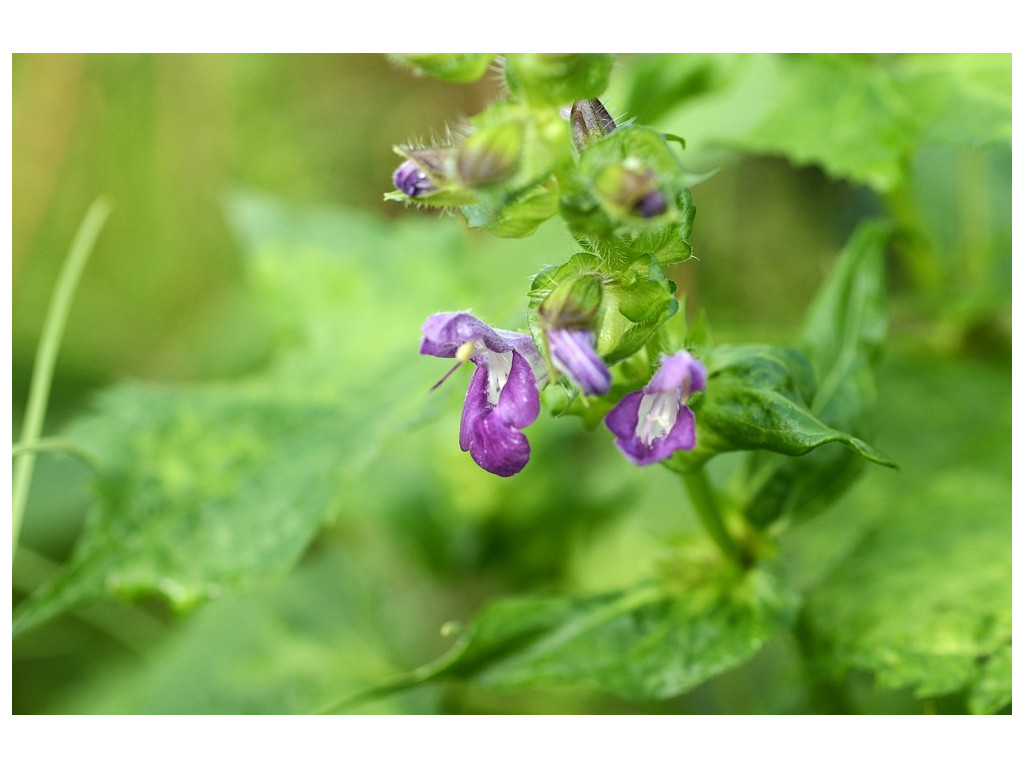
46	356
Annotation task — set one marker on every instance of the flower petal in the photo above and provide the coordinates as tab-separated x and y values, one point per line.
475	408
445	332
519	402
622	421
498	446
490	432
680	371
572	351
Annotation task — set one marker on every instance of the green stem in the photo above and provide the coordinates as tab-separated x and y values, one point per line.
706	505
46	356
56	445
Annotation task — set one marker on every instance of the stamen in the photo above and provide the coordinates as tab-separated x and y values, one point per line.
445	377
462	354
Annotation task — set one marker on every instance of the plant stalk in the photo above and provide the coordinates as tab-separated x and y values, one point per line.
706	505
46	355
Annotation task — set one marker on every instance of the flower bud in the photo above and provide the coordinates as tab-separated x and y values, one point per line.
410	179
491	154
590	122
573	303
568	315
630	188
425	170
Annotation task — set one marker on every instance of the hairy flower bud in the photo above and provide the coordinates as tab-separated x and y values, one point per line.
573	303
630	187
491	154
410	179
425	170
590	121
568	314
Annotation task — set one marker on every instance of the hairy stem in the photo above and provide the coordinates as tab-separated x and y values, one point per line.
46	356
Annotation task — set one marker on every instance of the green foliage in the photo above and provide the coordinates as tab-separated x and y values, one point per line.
451	67
760	400
557	78
202	487
634	302
317	523
923	599
860	117
842	337
286	646
653	641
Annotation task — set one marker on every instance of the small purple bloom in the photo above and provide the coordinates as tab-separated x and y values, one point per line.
652	424
410	179
572	352
503	396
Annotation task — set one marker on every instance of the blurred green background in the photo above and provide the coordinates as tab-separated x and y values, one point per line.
171	138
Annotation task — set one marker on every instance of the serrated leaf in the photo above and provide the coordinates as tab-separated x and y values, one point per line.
924	600
653	641
858	116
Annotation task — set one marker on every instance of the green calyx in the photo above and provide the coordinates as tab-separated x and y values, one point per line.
624	307
491	154
573	303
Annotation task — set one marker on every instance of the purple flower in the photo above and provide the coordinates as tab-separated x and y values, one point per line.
503	396
572	352
410	179
652	424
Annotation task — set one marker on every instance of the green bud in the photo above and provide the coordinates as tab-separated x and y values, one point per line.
491	154
590	122
630	188
573	303
557	78
437	162
428	176
450	67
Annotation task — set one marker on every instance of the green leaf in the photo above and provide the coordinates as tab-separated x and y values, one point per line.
202	487
842	336
517	216
653	641
923	601
757	398
860	117
634	301
287	646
